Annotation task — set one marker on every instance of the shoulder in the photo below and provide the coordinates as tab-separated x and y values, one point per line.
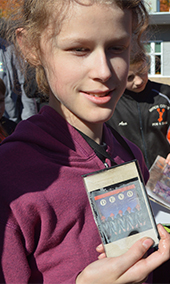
161	89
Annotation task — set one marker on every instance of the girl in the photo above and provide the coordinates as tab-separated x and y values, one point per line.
80	49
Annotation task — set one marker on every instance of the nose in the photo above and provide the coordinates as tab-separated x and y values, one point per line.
138	81
100	67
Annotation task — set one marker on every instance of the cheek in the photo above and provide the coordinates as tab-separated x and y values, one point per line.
122	69
146	78
129	85
60	74
60	82
55	76
123	77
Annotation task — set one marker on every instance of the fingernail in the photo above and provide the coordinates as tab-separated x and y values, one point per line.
101	256
147	243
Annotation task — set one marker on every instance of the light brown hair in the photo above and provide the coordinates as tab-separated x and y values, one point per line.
35	15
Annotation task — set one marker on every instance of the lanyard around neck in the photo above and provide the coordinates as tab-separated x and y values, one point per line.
100	150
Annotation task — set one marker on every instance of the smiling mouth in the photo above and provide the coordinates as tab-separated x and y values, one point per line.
99	95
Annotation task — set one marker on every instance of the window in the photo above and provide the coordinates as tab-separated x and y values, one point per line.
164	6
153	6
154	51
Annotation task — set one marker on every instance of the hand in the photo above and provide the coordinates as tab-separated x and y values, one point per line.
130	267
168	159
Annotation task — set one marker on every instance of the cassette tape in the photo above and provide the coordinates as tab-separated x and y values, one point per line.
120	207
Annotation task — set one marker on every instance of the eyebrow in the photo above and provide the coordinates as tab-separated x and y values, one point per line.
74	40
77	40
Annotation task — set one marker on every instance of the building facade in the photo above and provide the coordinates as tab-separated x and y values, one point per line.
158	45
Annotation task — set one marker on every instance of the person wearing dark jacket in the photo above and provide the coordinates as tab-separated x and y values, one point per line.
143	112
7	126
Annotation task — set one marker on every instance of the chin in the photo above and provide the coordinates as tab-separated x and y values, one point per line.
138	90
100	117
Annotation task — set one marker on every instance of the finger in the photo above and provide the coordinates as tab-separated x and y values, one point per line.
100	248
146	265
164	244
168	159
110	269
163	253
132	256
102	255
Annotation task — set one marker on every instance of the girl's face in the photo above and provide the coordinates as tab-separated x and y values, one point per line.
137	77
87	63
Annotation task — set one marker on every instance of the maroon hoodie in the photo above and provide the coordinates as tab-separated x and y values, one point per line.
47	231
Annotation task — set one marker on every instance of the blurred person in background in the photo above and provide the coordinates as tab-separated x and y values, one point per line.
6	126
18	106
143	112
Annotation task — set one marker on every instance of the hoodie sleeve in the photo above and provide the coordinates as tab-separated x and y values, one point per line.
14	263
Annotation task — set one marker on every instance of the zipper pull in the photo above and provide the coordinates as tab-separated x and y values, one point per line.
106	165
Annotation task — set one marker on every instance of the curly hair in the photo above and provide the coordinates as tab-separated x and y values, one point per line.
35	15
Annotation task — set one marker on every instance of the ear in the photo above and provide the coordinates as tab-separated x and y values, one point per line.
28	52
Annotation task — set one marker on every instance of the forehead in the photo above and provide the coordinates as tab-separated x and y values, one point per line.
110	17
77	12
138	68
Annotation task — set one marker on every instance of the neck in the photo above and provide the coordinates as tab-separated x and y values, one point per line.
91	129
94	134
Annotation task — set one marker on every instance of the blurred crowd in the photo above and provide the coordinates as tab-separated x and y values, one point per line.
19	94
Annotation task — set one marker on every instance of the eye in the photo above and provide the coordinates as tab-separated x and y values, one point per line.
80	51
131	78
118	49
